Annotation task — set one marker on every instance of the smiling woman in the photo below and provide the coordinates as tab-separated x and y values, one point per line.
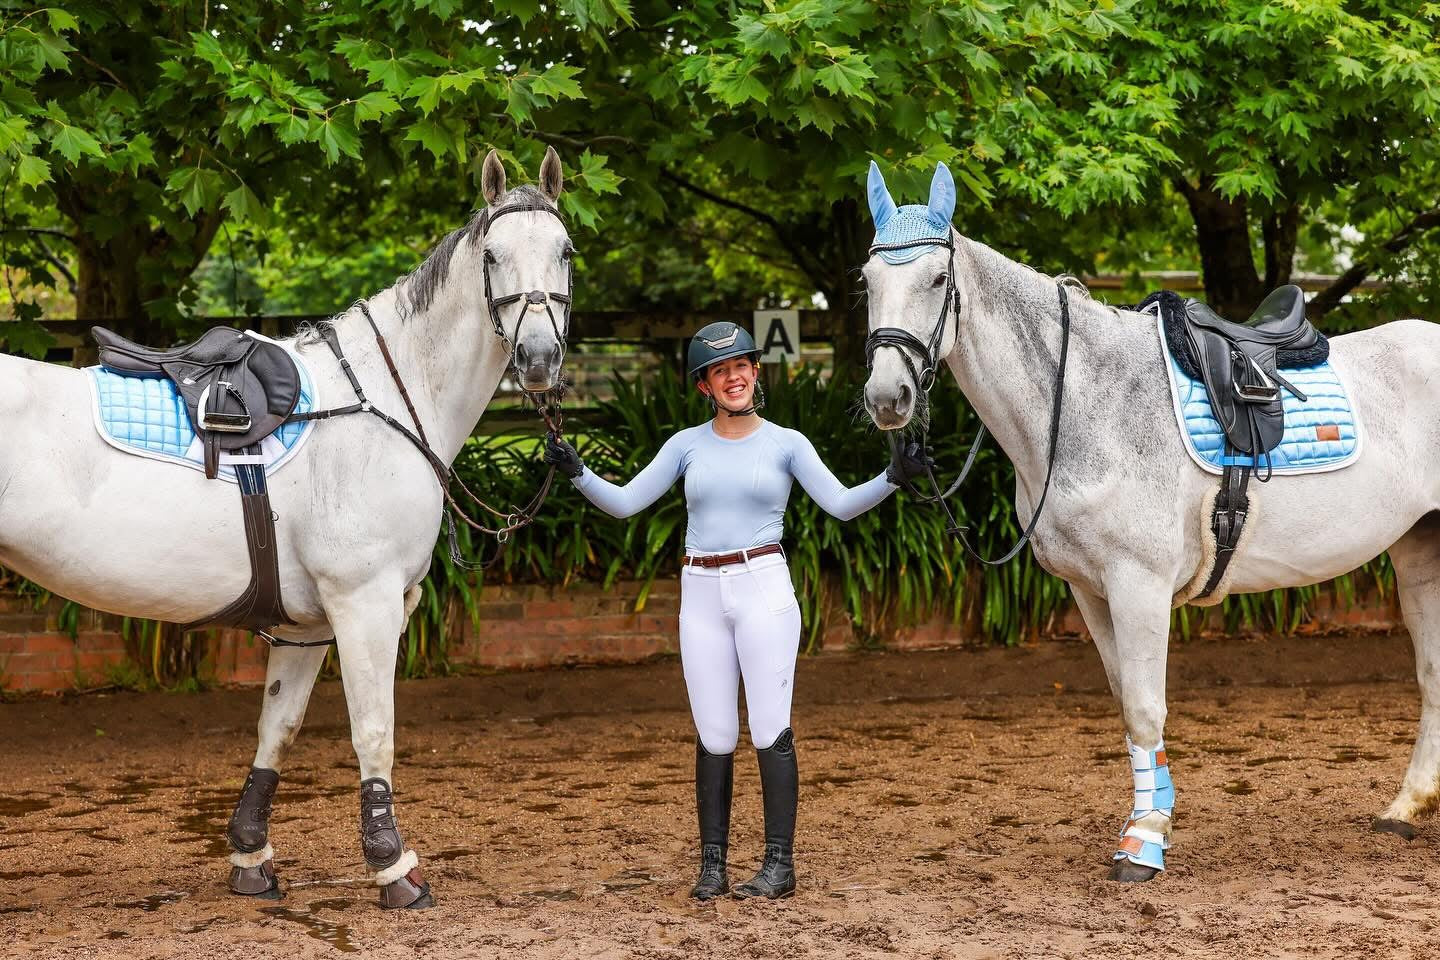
738	613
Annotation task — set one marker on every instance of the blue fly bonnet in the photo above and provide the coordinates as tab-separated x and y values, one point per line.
906	233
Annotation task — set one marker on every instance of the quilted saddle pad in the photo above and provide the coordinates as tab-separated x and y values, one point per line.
1321	433
146	416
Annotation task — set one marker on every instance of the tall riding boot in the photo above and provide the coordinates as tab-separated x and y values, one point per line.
714	776
780	780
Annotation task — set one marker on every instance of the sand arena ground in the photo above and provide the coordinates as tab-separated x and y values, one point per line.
958	804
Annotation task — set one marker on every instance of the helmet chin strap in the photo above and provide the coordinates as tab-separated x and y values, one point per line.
757	400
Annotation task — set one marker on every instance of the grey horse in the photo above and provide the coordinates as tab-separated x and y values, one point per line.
1127	520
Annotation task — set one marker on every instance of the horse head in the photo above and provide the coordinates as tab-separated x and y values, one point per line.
526	264
910	280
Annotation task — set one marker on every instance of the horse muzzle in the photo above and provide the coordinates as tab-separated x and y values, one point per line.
890	405
537	368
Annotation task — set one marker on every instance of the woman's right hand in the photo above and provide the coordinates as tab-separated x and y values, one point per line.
908	463
562	456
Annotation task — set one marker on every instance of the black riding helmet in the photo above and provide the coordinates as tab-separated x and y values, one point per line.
718	341
723	341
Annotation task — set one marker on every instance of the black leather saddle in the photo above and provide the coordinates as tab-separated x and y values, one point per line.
238	388
1240	363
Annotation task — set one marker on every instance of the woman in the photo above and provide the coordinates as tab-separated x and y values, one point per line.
738	615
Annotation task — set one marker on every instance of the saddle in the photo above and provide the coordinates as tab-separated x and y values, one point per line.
238	388
1239	364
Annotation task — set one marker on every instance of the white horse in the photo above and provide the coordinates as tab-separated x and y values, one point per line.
1126	524
357	508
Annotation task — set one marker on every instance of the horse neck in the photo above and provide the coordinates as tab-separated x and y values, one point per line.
1007	352
447	356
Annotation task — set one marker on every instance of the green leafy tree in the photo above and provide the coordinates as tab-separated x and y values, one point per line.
1269	119
765	114
145	126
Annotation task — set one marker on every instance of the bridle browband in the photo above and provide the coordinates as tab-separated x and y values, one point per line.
546	404
531	297
928	353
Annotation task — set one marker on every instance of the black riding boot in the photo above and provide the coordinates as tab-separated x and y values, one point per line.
780	780
714	776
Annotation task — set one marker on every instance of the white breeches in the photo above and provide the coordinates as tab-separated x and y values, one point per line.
739	620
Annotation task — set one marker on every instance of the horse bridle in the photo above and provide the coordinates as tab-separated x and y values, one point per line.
923	376
531	297
546	404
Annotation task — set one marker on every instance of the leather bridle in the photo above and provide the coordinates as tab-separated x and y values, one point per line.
923	376
531	297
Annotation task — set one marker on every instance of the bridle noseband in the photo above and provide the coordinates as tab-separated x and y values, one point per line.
924	378
532	298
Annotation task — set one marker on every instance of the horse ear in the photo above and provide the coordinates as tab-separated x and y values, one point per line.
492	178
882	208
942	193
552	178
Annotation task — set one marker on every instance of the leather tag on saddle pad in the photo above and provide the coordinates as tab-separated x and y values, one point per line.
1328	431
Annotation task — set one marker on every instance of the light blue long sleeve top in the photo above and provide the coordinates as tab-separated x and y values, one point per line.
735	490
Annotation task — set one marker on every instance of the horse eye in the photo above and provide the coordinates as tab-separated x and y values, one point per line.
939	281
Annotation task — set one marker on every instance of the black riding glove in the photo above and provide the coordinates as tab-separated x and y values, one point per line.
908	462
563	457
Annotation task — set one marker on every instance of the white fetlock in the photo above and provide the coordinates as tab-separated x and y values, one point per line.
1146	835
249	860
408	861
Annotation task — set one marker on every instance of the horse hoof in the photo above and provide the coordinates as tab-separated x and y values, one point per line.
410	892
258	882
1123	871
1398	827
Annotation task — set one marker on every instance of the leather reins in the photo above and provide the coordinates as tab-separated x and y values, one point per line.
923	376
547	404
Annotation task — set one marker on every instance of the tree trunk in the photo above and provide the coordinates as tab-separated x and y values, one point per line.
1233	288
851	232
1281	230
108	283
117	277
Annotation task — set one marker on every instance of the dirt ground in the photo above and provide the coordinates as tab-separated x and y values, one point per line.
958	804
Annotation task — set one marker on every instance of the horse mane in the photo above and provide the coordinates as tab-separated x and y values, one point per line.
419	287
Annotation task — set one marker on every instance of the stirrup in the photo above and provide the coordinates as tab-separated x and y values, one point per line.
222	422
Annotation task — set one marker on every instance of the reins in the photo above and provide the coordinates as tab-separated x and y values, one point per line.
905	342
547	404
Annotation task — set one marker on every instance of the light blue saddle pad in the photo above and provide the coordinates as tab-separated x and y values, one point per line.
1326	413
146	416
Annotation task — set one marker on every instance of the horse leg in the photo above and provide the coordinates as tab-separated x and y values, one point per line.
1096	613
367	626
289	678
1139	608
1416	557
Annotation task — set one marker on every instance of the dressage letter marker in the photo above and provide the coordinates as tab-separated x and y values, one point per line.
778	334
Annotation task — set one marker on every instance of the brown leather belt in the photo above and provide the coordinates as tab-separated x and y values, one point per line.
740	556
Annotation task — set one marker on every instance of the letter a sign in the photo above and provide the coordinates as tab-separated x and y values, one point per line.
777	334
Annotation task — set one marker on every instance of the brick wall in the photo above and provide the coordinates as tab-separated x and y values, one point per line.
522	626
37	652
540	626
